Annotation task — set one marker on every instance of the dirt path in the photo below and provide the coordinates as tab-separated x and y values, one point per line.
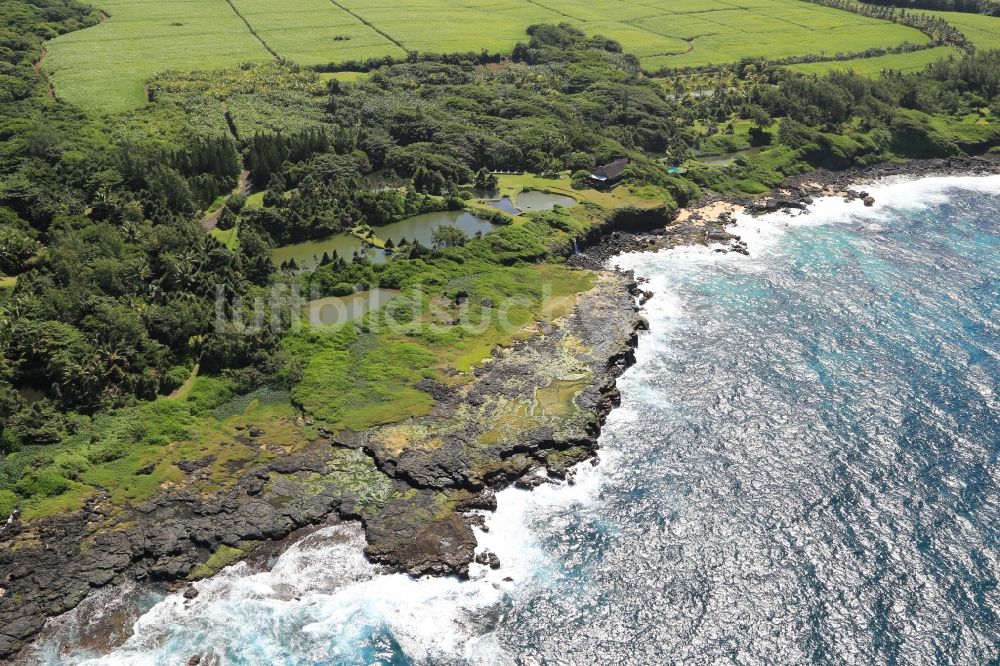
210	220
243	187
185	388
42	75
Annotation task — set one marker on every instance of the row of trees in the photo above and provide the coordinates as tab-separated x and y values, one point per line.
940	31
116	282
266	154
987	7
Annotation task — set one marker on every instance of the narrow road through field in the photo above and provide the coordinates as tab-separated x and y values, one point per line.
556	11
370	25
252	31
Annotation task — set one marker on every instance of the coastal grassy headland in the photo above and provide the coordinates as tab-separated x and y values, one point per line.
169	401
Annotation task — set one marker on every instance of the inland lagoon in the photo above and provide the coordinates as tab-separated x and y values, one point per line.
418	228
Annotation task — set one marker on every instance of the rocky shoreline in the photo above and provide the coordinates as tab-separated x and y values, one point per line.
537	405
414	501
704	222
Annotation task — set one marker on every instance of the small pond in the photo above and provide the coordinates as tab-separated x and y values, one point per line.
535	200
342	309
505	205
308	254
419	228
530	201
422	227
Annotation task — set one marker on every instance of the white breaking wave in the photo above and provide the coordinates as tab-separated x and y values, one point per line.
903	193
322	600
763	233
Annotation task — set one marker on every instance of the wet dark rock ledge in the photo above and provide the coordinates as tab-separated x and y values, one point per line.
537	405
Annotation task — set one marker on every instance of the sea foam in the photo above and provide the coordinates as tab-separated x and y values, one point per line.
323	602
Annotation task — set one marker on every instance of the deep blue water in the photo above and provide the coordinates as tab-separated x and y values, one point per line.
804	469
808	445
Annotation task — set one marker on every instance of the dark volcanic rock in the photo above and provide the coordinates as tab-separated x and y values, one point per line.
537	405
194	465
410	535
531	481
58	560
489	559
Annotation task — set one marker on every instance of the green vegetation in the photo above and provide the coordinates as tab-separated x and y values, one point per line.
873	67
134	451
7	285
106	67
125	366
771	30
316	32
355	380
982	31
631	195
977	21
343	77
222	557
987	7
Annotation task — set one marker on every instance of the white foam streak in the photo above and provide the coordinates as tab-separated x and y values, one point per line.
322	599
763	233
903	193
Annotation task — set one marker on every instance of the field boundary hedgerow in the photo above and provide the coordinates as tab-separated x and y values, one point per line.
254	32
106	67
40	71
370	25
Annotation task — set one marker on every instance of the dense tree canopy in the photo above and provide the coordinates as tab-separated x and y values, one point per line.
118	286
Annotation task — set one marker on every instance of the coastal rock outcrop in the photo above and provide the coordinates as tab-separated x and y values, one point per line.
538	405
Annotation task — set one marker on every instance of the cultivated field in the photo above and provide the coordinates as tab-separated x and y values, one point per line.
983	31
901	62
105	67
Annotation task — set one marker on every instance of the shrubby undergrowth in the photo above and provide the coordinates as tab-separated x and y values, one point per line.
120	347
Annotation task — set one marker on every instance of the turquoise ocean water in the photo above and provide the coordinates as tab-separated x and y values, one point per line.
804	469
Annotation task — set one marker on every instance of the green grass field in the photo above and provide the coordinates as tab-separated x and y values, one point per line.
310	31
770	29
344	77
983	31
105	67
7	285
902	62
